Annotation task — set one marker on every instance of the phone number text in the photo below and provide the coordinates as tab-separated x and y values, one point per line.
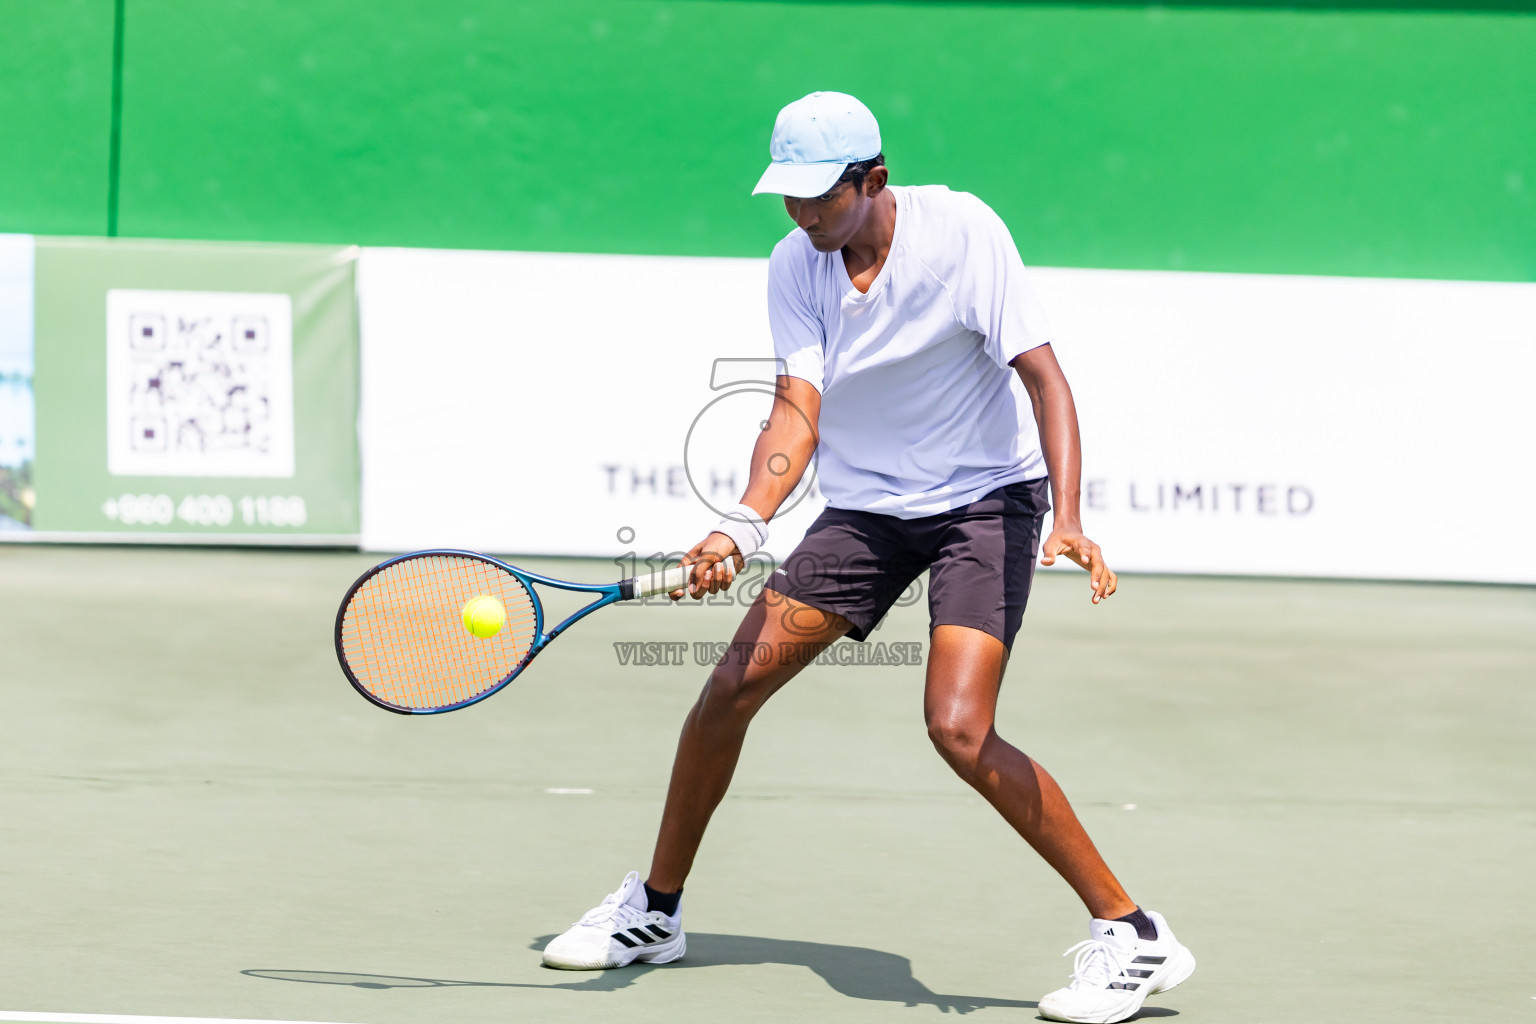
205	510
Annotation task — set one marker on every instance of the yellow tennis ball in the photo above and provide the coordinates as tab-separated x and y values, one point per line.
484	616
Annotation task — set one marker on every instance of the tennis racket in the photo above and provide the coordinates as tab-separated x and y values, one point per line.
403	641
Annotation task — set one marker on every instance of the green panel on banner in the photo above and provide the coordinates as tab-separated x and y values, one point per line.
55	115
196	388
1369	143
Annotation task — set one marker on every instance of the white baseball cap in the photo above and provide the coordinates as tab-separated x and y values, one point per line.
814	140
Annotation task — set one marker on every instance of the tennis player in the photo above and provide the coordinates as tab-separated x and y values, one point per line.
918	371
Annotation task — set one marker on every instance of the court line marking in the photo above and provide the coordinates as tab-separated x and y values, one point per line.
122	1018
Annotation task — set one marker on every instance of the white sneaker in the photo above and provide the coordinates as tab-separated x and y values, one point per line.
618	932
1115	971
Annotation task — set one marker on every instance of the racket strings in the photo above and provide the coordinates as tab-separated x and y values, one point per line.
404	639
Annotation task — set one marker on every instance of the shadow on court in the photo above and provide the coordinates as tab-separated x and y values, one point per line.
853	971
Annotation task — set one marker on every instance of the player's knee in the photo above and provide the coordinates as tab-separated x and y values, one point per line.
735	692
959	742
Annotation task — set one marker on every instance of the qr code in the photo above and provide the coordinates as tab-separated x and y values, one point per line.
199	384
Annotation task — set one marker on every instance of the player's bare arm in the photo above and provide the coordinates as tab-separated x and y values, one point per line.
779	460
1056	416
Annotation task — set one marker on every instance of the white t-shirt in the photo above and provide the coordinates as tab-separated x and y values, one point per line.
920	412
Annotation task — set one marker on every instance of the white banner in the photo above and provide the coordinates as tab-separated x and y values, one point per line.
598	405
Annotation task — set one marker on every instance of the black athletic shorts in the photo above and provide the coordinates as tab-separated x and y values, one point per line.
980	557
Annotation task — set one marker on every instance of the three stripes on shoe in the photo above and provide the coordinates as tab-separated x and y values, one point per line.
649	934
1131	986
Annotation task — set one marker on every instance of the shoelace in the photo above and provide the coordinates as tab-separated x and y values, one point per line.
1097	964
609	909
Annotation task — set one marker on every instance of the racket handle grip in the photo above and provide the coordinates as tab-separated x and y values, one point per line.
664	582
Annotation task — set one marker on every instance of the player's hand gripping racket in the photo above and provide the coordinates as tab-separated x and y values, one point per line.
436	631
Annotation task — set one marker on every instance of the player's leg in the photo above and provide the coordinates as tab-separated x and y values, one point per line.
850	568
642	922
978	586
778	637
1130	954
965	672
841	579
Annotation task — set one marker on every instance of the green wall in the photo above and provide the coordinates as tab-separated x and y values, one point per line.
55	115
1355	142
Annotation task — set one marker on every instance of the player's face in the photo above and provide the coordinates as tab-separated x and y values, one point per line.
833	218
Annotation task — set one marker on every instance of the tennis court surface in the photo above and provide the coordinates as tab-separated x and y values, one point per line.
1329	788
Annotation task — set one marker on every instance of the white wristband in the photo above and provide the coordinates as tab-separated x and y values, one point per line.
745	527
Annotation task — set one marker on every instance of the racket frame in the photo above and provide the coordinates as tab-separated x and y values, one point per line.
608	593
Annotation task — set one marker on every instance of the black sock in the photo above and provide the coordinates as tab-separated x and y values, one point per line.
1146	931
667	902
